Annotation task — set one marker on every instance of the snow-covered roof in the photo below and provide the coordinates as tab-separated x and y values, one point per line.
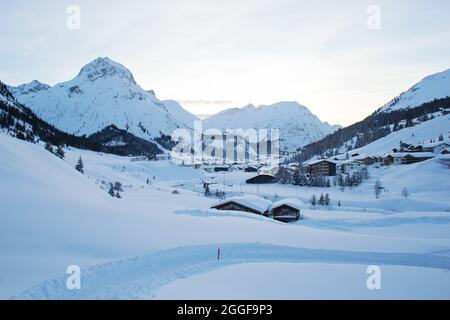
311	162
274	167
340	156
225	166
291	202
248	200
412	154
349	161
435	144
362	156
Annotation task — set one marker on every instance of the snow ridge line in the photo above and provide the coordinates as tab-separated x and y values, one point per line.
141	278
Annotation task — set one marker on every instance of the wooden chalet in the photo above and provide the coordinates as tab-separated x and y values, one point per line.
245	203
286	210
367	160
262	179
251	169
400	158
322	167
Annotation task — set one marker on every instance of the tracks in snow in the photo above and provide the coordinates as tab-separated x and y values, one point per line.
140	278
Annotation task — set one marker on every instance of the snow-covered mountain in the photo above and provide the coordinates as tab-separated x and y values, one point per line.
21	122
104	93
179	113
435	86
298	126
28	88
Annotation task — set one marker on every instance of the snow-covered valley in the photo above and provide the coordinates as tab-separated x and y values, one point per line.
140	246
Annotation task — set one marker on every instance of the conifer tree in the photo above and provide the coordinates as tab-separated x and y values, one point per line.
80	166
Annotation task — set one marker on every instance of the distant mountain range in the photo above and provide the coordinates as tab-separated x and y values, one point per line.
298	126
104	93
104	102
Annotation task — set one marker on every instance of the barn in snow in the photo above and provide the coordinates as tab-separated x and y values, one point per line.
285	210
245	203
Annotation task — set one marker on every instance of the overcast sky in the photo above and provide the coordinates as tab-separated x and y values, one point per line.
212	54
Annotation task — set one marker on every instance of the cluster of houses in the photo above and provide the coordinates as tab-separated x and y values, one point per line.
406	154
343	164
286	210
334	166
409	153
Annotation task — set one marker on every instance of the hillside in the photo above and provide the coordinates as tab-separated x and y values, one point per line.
372	128
21	122
436	86
131	248
416	135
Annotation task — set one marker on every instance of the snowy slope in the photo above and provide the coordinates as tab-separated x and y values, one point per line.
419	134
179	113
60	218
103	93
298	126
435	86
420	282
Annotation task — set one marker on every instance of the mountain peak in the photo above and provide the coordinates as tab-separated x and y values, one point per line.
435	86
104	67
298	126
29	88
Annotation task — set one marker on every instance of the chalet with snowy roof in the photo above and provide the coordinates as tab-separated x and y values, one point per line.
349	166
269	170
251	169
286	210
321	167
245	203
367	160
407	147
224	168
400	158
436	147
262	179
